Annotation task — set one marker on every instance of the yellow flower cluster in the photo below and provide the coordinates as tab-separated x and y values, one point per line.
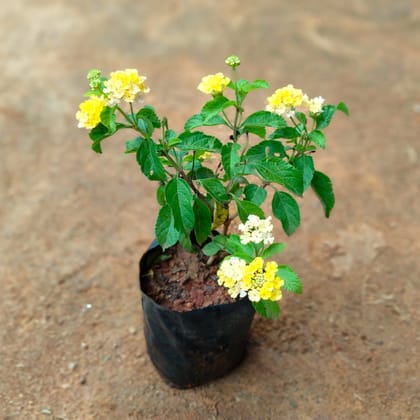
125	85
288	98
213	84
89	114
253	279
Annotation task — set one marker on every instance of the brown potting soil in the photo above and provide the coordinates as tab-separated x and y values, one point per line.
182	281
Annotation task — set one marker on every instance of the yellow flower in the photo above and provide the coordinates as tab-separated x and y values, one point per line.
262	282
125	85
285	99
89	115
213	84
253	279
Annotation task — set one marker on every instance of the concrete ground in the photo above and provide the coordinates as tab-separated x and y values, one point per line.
73	224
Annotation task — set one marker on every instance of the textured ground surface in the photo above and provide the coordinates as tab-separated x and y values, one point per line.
73	224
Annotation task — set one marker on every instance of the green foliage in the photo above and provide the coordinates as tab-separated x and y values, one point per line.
286	209
148	159
203	221
280	172
246	208
180	199
165	231
198	142
255	194
215	188
273	249
267	308
323	188
205	181
305	164
133	145
291	280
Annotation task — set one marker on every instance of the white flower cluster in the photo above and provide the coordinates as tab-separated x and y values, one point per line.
256	230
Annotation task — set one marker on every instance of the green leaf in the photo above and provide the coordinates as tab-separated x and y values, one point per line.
318	138
259	131
267	308
133	145
160	195
96	146
263	119
215	106
245	208
165	231
203	221
215	188
108	119
148	112
273	249
323	188
149	162
343	108
255	194
278	171
198	141
323	119
186	243
145	126
230	159
305	164
291	280
263	151
180	198
235	247
201	173
213	247
199	120
301	117
246	86
285	133
99	132
286	210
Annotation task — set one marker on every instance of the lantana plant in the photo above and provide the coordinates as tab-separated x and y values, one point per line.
205	183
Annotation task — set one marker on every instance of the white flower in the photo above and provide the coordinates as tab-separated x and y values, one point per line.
256	230
315	104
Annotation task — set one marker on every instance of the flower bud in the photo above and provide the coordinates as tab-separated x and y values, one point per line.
233	61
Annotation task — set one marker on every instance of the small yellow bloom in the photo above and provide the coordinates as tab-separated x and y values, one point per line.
89	114
125	85
213	84
285	99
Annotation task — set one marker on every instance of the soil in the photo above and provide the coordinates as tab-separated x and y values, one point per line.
74	224
183	281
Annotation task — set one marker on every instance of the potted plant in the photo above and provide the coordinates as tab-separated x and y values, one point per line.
211	265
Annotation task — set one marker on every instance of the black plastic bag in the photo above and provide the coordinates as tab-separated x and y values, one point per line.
194	347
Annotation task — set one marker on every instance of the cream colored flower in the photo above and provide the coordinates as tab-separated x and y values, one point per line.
315	104
89	114
256	230
125	85
213	84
